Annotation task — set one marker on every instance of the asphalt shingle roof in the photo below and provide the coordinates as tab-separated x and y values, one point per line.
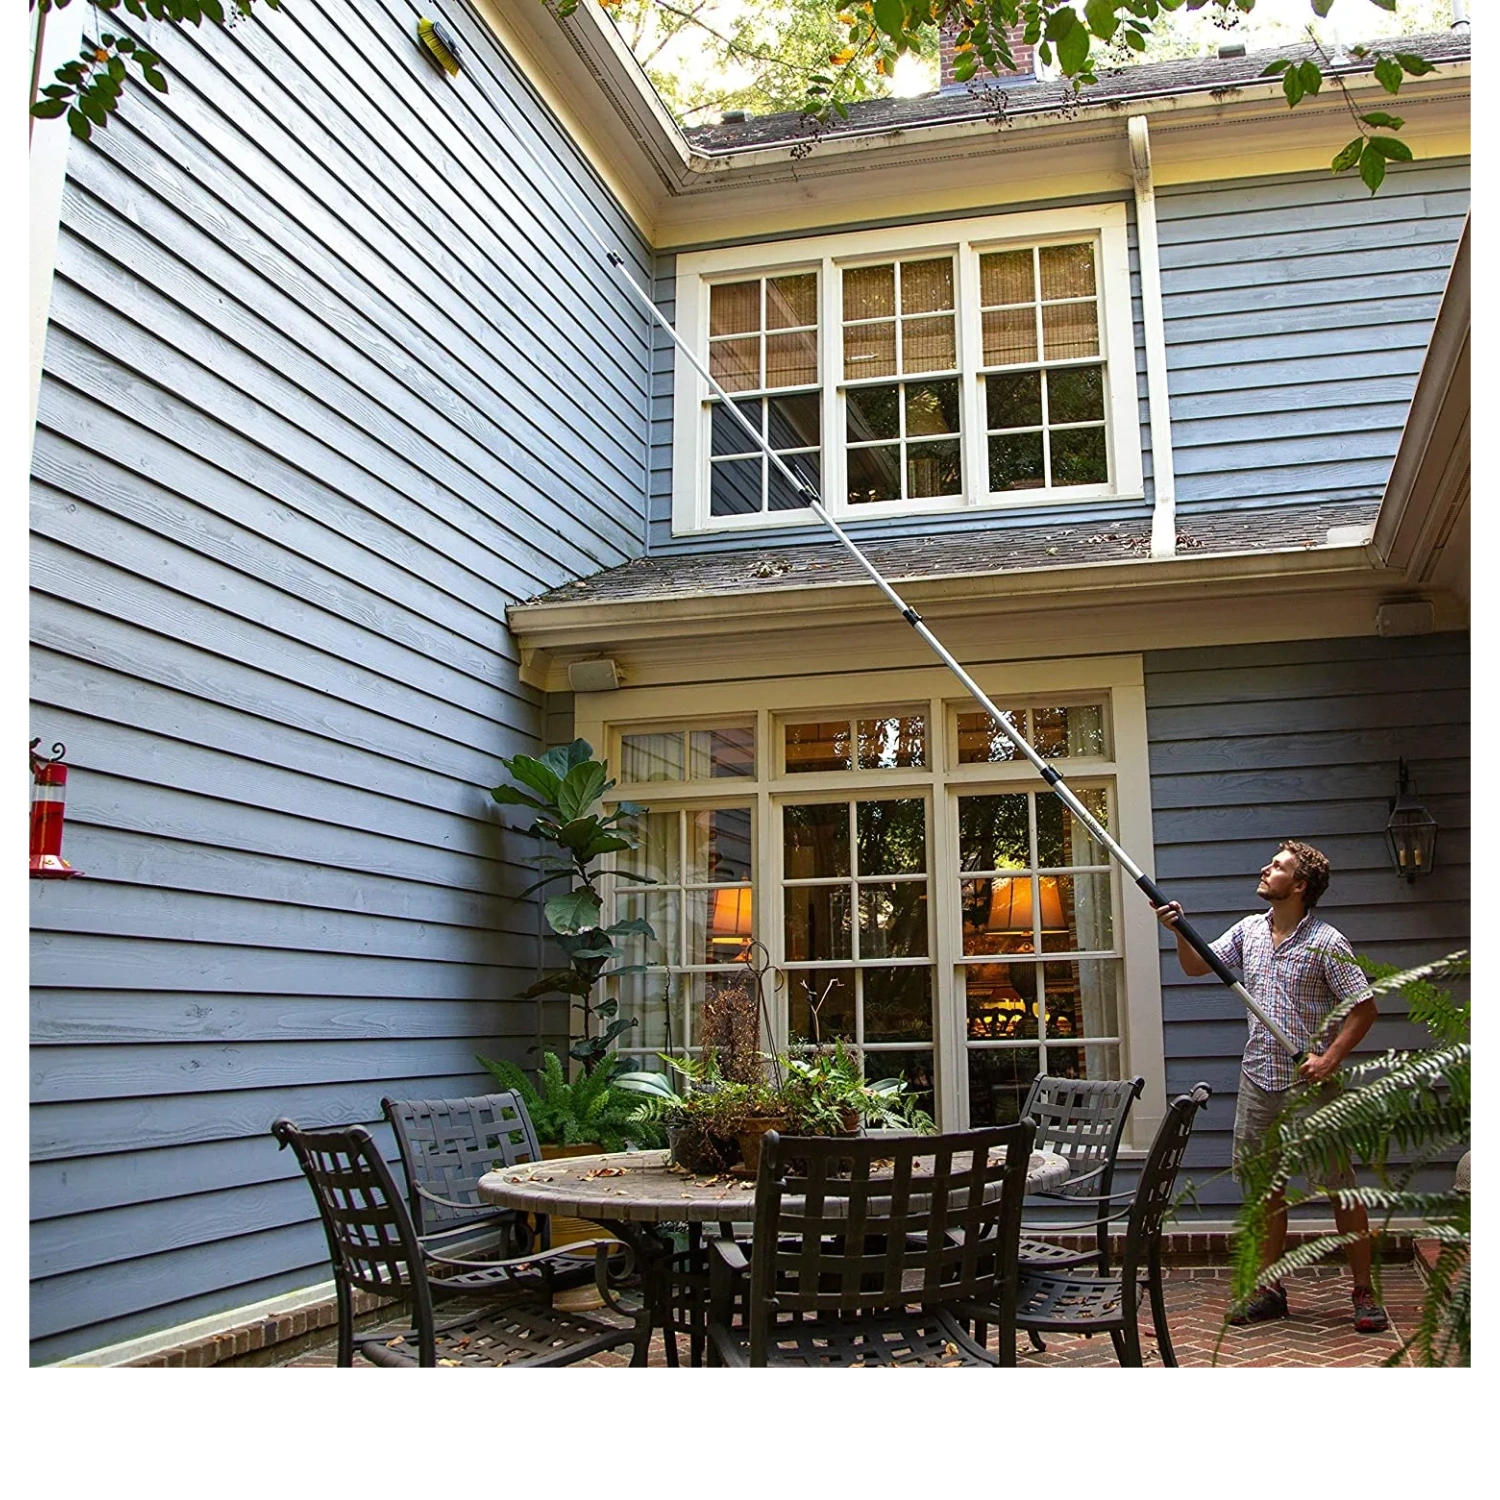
956	554
996	98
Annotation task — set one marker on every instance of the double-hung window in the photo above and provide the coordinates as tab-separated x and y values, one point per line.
983	362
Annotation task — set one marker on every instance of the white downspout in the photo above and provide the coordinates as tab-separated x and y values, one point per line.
1164	516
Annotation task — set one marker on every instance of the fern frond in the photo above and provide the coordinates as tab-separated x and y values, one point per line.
1302	1257
512	1080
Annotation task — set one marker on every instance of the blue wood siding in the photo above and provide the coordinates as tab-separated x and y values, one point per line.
335	373
1297	312
1252	744
860	528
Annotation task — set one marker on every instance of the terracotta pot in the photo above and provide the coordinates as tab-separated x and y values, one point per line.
701	1151
751	1134
567	1231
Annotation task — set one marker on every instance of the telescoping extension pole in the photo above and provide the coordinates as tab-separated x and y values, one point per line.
1048	772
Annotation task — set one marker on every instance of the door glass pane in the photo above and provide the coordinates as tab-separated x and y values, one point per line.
1077	729
820	1004
816	840
1100	1061
792	422
915	1066
828	746
999	1080
651	757
994	832
892	836
1080	998
817	923
661	910
893	920
1082	904
722	752
719	845
1000	1002
728	432
720	924
980	740
656	857
895	742
898	1005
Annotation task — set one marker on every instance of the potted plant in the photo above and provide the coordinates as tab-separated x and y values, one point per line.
825	1093
565	789
716	1122
590	1114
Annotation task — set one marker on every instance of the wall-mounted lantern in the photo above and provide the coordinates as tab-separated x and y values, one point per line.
1410	831
49	779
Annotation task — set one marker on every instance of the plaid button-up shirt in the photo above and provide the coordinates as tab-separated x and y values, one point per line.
1297	985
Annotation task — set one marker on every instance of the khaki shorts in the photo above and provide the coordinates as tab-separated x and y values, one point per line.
1254	1113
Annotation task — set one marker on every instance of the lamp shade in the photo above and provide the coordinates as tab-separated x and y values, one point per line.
730	915
1012	904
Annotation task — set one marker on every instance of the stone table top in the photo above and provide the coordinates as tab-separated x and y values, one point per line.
641	1187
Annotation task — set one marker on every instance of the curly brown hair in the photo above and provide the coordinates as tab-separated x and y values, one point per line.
1312	867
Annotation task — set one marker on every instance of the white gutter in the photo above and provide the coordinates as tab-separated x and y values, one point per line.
1163	478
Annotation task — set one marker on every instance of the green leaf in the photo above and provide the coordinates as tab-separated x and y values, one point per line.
155	79
605	843
578	834
581	788
1384	4
1322	7
890	16
965	66
213	10
1372	168
511	796
579	910
49	109
1414	65
1383	121
1291	85
1311	75
1349	155
1388	74
533	773
628	926
562	758
1390	148
1073	48
78	124
1101	18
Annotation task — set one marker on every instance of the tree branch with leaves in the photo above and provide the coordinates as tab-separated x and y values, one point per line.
88	89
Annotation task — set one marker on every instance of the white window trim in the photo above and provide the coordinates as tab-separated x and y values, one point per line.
1118	678
827	254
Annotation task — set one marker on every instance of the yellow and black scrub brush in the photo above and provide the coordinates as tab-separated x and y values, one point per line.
443	48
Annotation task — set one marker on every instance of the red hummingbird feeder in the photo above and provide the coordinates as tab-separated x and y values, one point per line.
49	780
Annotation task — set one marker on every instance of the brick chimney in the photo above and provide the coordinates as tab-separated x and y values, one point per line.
1020	50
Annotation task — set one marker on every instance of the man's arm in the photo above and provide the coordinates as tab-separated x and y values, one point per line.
1193	964
1319	1066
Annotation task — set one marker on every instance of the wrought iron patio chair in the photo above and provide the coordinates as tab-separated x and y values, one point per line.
847	1268
374	1248
1071	1301
446	1146
1083	1120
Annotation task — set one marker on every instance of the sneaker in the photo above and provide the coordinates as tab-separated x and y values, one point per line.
1369	1315
1266	1303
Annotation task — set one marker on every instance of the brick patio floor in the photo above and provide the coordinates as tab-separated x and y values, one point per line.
1319	1333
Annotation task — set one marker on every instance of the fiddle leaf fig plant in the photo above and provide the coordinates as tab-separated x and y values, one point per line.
565	790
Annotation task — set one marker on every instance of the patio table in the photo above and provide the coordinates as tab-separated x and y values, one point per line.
633	1193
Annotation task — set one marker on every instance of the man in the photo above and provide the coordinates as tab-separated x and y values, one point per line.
1298	969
